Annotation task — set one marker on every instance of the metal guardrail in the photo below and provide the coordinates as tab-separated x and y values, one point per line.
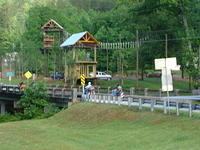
138	100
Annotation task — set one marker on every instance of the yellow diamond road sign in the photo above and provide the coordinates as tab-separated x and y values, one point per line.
28	75
83	79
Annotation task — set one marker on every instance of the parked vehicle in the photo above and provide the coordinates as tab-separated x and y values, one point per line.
154	75
102	76
58	75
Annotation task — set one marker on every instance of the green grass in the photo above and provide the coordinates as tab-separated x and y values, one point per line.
87	126
151	83
16	81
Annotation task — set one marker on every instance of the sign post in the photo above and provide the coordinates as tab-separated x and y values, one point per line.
28	75
83	82
167	65
10	75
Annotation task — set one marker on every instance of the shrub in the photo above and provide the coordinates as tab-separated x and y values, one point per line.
34	100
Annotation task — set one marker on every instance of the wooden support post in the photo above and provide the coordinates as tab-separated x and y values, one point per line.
152	105
165	107
95	54
190	110
63	92
74	97
74	54
54	89
177	108
140	104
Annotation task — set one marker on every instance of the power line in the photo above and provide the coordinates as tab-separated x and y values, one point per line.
123	43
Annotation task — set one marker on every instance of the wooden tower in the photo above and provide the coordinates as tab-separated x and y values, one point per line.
50	30
53	35
76	43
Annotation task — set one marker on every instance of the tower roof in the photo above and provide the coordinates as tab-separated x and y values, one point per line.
80	38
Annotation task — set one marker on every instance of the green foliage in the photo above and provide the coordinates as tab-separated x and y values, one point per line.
10	117
34	100
109	21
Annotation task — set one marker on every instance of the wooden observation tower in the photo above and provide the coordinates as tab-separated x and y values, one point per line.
84	62
53	36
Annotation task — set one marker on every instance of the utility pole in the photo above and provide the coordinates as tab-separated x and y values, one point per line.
166	55
107	59
121	61
13	49
137	58
65	66
199	59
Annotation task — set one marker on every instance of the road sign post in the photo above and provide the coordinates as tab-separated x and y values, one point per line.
28	75
167	65
83	82
10	75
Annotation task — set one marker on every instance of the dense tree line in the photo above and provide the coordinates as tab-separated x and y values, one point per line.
108	21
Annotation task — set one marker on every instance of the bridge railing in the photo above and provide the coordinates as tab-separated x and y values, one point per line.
10	89
143	101
144	92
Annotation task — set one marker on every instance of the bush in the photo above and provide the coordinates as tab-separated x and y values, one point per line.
10	117
34	100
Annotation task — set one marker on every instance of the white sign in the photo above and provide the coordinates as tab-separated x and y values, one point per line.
167	65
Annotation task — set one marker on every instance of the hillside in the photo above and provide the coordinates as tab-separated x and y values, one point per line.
97	126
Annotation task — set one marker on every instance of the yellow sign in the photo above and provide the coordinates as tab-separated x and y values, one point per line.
28	75
83	79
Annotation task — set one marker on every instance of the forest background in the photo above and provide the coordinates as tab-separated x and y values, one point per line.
108	21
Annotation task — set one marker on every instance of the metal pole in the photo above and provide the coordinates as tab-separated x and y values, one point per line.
137	57
199	59
121	61
166	50
65	65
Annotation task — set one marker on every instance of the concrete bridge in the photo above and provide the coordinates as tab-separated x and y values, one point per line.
10	94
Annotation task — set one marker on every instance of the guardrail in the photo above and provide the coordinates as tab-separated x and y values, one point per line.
59	92
137	100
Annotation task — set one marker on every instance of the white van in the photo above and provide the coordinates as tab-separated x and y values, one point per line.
102	75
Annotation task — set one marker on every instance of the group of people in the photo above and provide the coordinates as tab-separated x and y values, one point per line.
117	91
89	89
22	85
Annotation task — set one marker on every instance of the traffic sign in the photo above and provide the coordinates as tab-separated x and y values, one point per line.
28	75
83	79
9	74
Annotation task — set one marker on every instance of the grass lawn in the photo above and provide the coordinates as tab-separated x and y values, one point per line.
87	126
151	83
16	81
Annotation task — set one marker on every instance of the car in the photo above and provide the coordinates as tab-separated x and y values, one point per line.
154	75
102	76
58	75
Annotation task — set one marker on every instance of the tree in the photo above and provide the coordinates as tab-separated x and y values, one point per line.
34	100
